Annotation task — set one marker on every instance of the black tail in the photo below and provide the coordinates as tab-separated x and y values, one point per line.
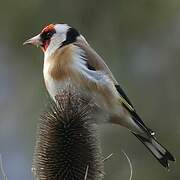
137	127
159	152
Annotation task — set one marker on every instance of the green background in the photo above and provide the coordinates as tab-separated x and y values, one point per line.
140	41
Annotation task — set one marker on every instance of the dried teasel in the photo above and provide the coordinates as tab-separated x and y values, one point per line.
67	141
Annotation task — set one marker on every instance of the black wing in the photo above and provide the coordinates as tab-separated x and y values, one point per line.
121	92
133	113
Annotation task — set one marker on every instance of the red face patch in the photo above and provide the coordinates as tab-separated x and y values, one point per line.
46	35
48	28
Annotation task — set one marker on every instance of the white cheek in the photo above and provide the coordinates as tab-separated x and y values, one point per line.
55	43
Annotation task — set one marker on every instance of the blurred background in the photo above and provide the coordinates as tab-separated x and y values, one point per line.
139	39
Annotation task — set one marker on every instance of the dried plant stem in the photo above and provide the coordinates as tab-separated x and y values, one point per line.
130	165
86	174
108	157
2	169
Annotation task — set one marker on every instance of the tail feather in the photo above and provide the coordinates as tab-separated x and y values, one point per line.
148	139
147	136
158	151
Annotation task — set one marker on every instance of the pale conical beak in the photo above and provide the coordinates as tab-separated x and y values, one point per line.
36	40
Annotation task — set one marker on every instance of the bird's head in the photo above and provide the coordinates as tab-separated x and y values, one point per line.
54	36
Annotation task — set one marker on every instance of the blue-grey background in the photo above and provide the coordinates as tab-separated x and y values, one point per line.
140	41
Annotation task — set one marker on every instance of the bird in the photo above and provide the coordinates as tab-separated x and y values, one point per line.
68	57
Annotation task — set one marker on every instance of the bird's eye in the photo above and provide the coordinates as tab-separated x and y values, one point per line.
47	35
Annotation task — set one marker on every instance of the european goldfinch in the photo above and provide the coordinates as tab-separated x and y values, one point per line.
69	58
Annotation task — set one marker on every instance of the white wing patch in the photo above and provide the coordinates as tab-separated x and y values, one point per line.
80	64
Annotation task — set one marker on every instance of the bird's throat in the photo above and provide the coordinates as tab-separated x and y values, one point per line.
45	45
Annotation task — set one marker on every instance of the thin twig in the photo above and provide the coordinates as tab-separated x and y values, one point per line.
108	157
130	164
1	169
86	173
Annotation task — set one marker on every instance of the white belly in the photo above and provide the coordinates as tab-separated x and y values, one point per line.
53	86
